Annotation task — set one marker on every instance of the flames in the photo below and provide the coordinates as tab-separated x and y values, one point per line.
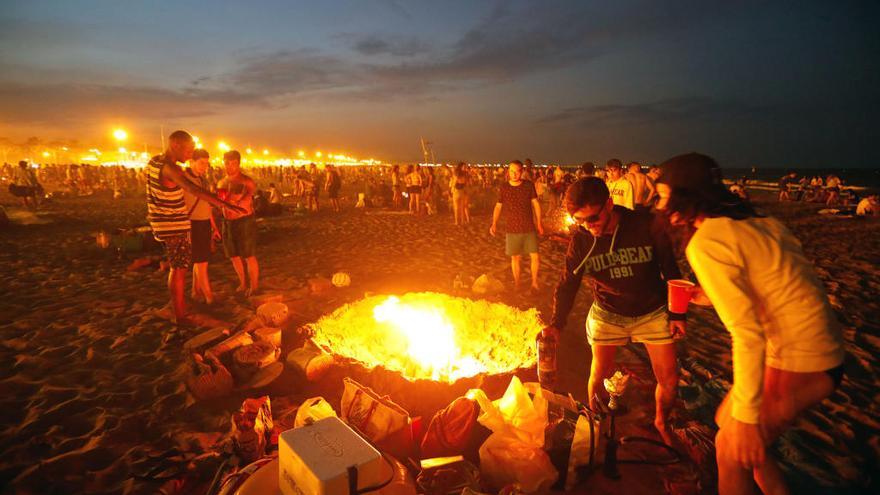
431	336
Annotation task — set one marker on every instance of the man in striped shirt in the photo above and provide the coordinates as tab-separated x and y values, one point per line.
168	215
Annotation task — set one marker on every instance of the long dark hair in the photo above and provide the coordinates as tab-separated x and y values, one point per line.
696	189
714	202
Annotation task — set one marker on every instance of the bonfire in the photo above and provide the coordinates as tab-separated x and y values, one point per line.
431	336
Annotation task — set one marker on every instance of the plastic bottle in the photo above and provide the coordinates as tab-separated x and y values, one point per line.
547	372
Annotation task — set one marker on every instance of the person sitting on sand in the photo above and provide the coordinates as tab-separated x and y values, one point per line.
627	257
169	217
240	226
203	229
518	201
868	206
787	345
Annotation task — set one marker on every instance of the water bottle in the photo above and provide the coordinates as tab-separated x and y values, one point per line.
547	372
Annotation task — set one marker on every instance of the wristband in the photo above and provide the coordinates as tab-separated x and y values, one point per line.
676	316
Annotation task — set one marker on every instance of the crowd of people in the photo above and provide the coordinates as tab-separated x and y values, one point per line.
786	343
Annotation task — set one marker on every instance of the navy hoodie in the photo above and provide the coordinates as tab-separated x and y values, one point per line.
626	270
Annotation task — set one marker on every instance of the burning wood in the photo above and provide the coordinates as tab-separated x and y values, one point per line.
431	336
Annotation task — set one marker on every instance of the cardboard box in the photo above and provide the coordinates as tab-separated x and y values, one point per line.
314	459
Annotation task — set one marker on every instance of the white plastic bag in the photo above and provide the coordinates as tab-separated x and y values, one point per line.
312	410
513	453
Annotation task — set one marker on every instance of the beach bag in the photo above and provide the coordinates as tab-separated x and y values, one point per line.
514	453
455	431
208	378
376	417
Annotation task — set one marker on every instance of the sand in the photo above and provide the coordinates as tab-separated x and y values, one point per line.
92	399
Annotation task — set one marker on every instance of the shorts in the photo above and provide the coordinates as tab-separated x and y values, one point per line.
607	328
521	243
333	193
413	189
240	237
178	250
201	240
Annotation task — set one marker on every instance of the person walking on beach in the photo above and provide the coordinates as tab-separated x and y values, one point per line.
620	187
519	204
787	344
168	215
643	188
626	257
240	226
202	226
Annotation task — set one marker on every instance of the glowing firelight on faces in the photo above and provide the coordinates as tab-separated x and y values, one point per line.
430	338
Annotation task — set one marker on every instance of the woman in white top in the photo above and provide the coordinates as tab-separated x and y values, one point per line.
787	345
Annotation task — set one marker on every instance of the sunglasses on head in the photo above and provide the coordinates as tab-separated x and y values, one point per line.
591	218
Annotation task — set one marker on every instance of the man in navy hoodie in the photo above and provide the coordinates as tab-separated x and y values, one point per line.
626	257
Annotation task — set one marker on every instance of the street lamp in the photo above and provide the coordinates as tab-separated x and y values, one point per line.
120	135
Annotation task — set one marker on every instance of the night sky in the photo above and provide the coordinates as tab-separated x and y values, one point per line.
751	83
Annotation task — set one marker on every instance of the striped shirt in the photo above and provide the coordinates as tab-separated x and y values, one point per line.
166	208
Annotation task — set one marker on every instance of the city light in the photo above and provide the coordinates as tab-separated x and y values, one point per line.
223	146
120	134
265	152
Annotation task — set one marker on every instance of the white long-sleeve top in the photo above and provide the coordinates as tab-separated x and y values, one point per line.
771	301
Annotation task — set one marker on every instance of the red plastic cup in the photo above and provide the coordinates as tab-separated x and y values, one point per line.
679	294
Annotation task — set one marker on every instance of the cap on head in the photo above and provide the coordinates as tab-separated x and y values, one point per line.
692	171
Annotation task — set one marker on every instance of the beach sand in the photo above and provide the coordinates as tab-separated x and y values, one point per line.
93	401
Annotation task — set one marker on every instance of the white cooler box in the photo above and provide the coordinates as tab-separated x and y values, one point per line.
314	459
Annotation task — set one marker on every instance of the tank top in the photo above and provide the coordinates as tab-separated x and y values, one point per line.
166	208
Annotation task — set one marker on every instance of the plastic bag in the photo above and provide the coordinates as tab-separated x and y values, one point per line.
312	410
513	452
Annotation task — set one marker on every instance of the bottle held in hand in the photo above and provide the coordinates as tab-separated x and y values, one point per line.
547	370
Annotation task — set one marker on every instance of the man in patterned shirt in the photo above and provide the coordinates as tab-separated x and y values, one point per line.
518	202
168	215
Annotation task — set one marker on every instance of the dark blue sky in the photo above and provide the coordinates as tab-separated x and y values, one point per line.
751	83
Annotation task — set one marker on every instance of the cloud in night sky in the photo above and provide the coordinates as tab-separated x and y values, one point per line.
656	76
